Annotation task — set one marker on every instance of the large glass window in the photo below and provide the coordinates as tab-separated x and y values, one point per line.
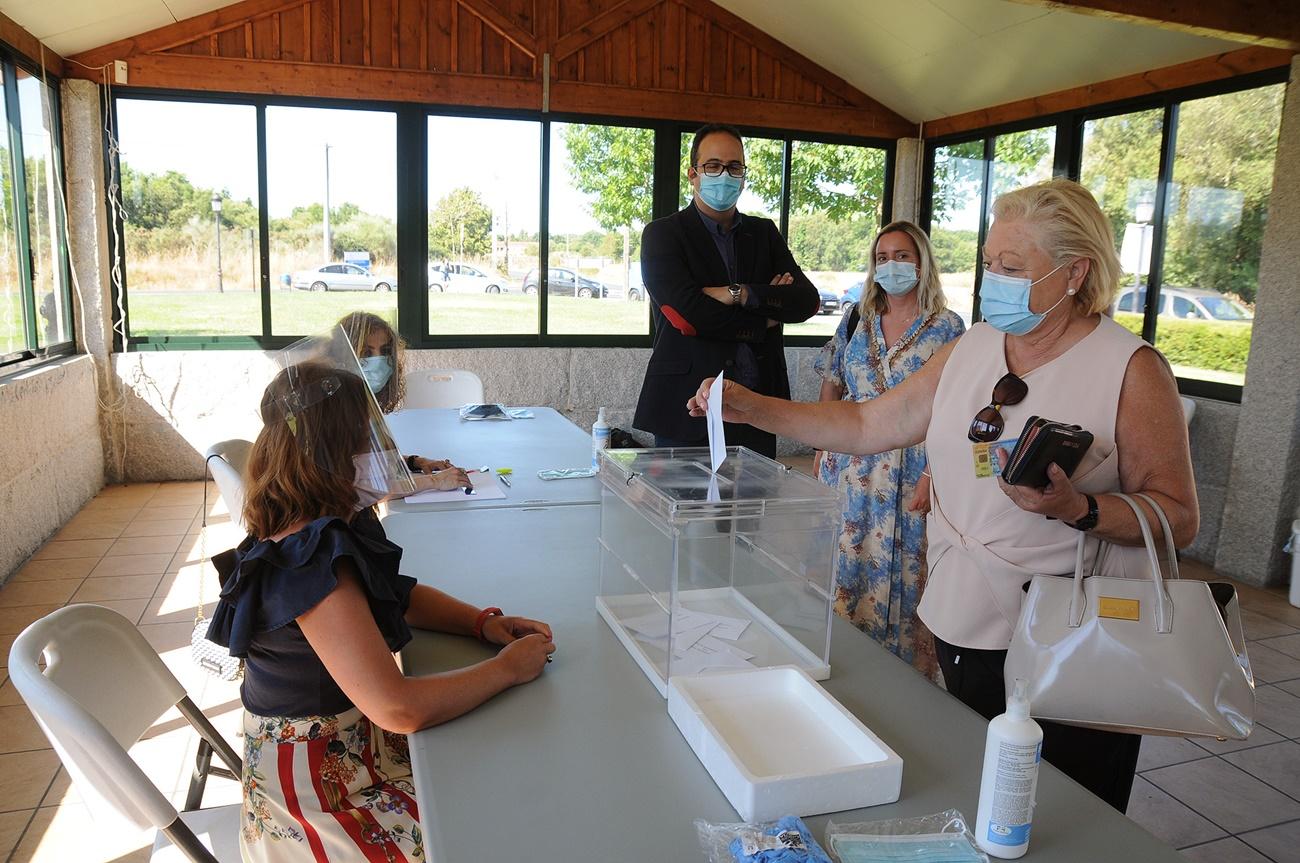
1120	165
836	196
44	211
1022	159
13	328
483	228
1215	211
602	187
332	202
955	221
189	217
35	304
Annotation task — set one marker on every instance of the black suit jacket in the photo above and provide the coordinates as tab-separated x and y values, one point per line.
695	335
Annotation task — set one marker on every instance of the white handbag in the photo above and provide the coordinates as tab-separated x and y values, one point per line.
1141	655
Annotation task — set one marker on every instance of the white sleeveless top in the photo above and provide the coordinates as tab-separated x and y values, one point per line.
983	548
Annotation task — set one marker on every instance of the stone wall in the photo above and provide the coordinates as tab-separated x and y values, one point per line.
51	461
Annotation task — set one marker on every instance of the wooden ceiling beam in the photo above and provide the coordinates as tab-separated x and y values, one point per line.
1271	23
181	32
575	97
29	46
1218	67
504	25
603	24
280	78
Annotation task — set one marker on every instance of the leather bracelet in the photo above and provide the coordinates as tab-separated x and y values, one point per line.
482	619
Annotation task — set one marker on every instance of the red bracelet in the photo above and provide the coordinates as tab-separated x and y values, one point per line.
482	619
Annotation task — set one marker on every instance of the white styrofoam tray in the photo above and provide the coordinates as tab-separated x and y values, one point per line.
778	744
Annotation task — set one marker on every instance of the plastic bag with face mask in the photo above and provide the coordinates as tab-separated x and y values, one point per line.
334	419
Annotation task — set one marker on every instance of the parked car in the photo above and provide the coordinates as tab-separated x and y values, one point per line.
852	295
1195	304
830	303
563	282
464	279
341	277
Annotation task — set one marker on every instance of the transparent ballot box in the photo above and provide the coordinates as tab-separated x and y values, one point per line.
703	573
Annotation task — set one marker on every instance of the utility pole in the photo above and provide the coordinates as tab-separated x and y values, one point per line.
328	247
216	217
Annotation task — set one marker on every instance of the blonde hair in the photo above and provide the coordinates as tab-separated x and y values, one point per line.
359	326
1069	224
929	291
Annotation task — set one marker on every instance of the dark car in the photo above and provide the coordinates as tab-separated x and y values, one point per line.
852	295
563	282
830	304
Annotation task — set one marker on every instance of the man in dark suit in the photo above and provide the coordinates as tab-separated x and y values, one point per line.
722	283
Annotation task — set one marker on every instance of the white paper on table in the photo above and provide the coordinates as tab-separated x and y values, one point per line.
653	625
729	628
700	657
717	435
485	486
684	638
708	642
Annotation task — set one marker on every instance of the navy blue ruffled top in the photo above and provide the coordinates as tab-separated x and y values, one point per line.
266	585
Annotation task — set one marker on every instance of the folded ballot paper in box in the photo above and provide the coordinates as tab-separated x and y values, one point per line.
704	569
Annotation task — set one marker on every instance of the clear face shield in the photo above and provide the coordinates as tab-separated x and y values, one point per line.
333	418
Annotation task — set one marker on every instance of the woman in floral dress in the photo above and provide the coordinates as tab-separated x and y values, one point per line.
900	321
313	602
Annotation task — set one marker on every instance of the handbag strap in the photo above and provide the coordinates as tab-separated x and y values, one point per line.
1164	605
1170	550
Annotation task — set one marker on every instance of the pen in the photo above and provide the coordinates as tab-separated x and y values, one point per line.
504	480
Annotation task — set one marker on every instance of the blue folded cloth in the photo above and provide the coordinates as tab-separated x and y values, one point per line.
788	840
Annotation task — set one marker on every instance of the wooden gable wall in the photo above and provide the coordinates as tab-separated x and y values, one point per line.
654	59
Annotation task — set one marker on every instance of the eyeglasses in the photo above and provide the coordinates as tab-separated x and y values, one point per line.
714	168
988	423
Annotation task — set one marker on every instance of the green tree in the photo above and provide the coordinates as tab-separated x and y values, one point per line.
460	225
614	167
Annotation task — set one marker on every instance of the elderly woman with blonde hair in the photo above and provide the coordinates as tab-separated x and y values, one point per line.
901	320
1045	348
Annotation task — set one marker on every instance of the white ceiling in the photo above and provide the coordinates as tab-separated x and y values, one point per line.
924	59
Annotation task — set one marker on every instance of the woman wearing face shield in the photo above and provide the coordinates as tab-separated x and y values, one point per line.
382	352
899	322
313	601
1045	348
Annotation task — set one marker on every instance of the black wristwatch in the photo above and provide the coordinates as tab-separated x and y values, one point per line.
735	294
1089	521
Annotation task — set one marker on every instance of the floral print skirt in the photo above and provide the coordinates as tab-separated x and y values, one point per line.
327	788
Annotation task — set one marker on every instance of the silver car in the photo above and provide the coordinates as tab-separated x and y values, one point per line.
341	277
464	279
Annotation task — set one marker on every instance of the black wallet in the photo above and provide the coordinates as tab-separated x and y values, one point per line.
1043	442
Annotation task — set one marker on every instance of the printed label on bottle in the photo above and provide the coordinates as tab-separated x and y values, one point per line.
1013	793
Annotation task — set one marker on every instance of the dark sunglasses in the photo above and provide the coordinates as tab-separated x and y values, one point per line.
988	423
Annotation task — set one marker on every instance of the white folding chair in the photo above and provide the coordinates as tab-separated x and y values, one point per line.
226	461
442	388
102	688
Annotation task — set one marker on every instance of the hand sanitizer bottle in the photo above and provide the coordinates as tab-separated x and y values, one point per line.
599	438
1012	752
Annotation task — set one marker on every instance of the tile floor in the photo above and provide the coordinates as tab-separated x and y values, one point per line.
138	549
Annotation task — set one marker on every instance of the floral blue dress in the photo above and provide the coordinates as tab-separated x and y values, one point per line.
880	562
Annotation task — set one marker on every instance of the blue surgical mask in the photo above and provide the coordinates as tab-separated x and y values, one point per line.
720	192
923	848
377	371
1004	302
896	277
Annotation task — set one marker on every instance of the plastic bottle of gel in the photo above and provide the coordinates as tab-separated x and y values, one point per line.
599	438
1011	756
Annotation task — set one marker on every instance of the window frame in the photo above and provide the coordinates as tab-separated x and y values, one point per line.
11	60
1067	162
412	214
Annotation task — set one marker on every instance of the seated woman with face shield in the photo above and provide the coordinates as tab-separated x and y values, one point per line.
382	351
313	601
